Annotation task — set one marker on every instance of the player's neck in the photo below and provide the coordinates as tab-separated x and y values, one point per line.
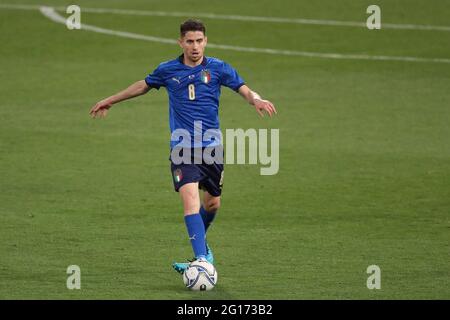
191	63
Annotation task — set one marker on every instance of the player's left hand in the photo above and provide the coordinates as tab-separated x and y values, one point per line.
100	109
264	105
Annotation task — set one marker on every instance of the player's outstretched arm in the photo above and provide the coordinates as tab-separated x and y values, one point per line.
255	100
136	89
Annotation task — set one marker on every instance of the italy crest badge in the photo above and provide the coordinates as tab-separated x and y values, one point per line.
205	76
177	175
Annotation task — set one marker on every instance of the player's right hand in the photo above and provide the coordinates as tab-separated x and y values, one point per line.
100	109
264	105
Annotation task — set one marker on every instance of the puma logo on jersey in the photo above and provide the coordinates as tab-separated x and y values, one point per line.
176	80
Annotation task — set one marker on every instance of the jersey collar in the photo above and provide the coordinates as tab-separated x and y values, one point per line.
181	59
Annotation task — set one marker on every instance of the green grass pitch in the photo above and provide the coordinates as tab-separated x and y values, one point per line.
364	156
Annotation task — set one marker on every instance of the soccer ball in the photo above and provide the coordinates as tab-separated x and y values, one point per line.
200	276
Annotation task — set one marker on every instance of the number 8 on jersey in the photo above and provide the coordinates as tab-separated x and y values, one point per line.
191	91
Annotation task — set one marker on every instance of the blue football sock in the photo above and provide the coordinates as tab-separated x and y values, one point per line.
196	231
207	217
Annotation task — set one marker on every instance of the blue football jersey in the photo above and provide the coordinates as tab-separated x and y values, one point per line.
194	94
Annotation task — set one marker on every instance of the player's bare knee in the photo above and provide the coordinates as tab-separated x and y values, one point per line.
190	197
191	205
212	205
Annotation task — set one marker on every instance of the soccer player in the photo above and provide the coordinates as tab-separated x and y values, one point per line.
193	82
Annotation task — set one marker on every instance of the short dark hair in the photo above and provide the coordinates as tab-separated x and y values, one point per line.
192	25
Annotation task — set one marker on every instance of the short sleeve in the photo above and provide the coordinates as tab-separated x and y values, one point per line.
230	78
155	79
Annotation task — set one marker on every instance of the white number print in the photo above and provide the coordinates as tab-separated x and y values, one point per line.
191	91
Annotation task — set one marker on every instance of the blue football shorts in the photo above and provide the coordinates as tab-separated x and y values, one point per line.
208	176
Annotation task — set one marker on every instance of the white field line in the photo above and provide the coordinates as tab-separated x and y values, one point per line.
50	13
239	18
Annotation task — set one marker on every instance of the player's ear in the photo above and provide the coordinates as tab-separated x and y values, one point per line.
180	42
206	40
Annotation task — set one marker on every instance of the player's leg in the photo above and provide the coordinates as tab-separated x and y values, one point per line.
196	229
209	208
208	212
212	185
190	197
